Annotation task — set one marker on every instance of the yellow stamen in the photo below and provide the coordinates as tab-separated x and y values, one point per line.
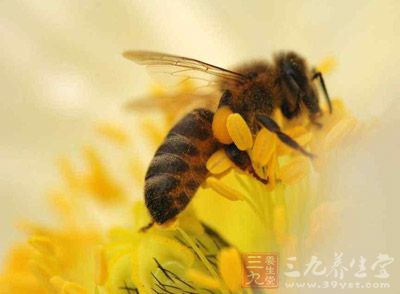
327	65
261	171
219	128
294	171
339	131
304	139
74	288
153	130
272	169
137	171
99	180
223	189
101	270
113	132
279	226
296	131
66	287
230	268
69	174
42	271
42	244
219	162
300	134
264	146
239	131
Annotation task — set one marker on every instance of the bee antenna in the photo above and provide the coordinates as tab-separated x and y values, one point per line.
322	82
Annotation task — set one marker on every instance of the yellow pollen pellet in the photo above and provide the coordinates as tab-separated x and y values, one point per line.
223	189
239	131
219	128
264	146
339	132
294	171
219	162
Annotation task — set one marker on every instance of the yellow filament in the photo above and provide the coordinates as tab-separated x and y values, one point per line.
339	132
223	189
294	171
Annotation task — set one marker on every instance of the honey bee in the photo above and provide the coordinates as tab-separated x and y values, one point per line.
254	91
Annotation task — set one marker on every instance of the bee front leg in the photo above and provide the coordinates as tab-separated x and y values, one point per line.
272	126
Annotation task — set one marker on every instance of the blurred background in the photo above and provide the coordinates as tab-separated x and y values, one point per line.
61	69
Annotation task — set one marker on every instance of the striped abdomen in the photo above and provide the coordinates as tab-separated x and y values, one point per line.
179	165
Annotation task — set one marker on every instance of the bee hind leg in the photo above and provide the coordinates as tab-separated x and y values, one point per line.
272	126
242	160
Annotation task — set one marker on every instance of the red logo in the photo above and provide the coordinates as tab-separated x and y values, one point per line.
261	270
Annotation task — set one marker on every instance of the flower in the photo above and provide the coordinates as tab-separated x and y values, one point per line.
200	251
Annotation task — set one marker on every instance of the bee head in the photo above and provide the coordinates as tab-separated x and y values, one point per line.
295	82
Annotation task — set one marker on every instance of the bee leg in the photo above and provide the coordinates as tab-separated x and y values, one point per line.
239	157
272	126
287	110
242	160
225	99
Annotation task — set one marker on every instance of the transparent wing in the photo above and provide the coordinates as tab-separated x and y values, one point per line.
169	103
184	69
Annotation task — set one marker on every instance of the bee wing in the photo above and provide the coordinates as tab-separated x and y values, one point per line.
184	68
170	102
